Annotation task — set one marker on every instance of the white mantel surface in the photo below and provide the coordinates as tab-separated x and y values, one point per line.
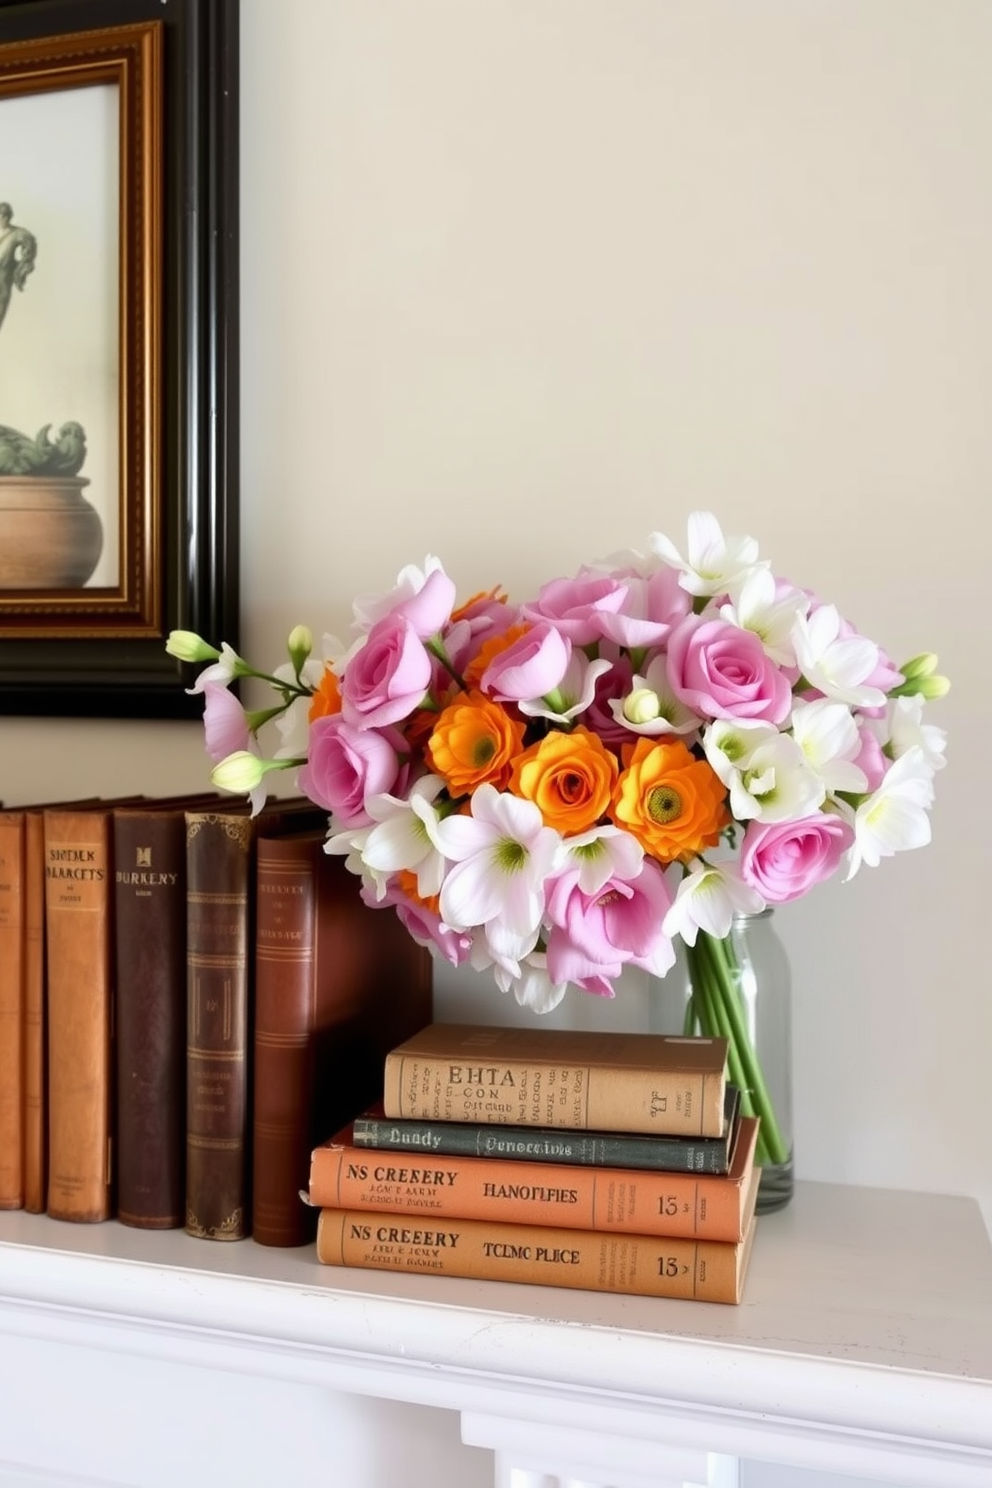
863	1347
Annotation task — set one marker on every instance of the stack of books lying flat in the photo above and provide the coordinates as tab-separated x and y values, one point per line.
605	1162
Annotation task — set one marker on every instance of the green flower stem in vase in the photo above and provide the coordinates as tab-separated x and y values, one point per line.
738	989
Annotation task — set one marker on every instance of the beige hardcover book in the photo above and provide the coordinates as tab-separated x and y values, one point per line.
634	1082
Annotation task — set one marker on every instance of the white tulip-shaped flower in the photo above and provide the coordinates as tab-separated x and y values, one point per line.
406	835
828	737
904	729
769	611
836	665
895	817
502	856
776	784
729	743
707	899
714	564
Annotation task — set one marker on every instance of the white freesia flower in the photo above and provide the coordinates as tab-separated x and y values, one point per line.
834	665
904	729
502	856
895	817
828	737
651	707
768	614
776	784
714	564
222	672
707	899
532	987
293	725
349	844
574	692
406	835
729	743
600	854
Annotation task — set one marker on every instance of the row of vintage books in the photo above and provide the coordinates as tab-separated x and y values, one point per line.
615	1162
190	998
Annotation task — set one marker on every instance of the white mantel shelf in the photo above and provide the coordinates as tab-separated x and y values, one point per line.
863	1346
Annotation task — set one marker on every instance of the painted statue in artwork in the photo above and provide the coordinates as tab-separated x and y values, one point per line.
18	251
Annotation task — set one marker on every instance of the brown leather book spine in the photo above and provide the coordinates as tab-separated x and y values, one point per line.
150	943
337	985
12	1010
219	862
78	931
35	1018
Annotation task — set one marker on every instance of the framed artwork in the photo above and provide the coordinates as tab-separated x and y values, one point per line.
118	349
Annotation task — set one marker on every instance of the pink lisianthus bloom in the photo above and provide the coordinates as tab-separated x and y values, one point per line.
577	607
653	607
423	596
387	677
593	936
721	671
870	758
784	860
530	668
422	923
347	765
225	727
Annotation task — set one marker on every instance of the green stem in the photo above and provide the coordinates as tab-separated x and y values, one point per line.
712	962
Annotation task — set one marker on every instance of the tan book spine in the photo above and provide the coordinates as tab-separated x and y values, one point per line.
559	1078
12	970
617	1200
537	1255
77	924
35	1019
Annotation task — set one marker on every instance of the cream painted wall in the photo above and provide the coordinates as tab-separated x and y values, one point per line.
526	280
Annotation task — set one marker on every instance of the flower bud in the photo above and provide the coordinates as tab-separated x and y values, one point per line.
186	645
299	645
933	687
642	706
920	666
240	772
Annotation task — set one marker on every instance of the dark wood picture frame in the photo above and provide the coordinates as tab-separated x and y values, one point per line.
100	651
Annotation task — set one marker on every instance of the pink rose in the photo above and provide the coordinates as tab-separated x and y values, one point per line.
593	936
387	677
345	766
577	607
721	671
531	668
784	860
430	608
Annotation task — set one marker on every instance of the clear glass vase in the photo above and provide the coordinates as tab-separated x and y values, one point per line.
740	987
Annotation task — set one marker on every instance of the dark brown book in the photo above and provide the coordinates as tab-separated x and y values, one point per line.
337	984
150	944
12	974
220	927
78	857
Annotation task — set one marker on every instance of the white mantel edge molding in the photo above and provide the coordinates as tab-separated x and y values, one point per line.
900	1426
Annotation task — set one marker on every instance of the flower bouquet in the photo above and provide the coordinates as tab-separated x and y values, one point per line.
561	788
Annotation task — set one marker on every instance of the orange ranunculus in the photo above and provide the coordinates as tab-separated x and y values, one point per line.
496	595
326	697
673	803
474	741
475	668
569	777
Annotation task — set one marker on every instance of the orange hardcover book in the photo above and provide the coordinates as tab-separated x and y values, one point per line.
540	1255
35	1018
555	1077
624	1200
78	938
12	974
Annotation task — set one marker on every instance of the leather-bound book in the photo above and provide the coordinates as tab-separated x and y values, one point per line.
220	921
12	972
150	945
78	860
35	1018
337	986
